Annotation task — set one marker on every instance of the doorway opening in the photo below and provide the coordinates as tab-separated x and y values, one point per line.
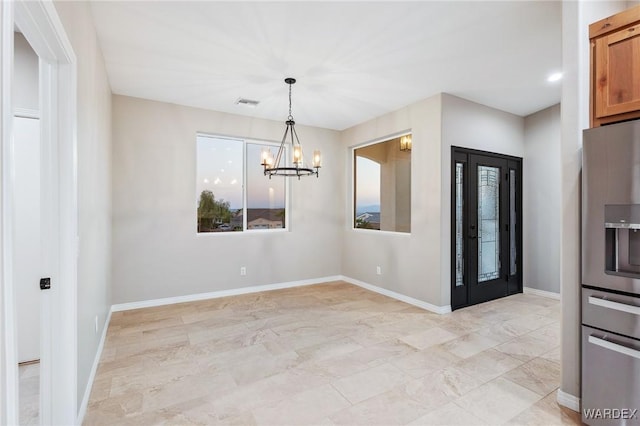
486	226
27	211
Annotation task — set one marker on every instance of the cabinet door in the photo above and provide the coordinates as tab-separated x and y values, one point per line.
617	67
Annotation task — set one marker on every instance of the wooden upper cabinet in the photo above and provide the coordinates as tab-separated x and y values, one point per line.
615	68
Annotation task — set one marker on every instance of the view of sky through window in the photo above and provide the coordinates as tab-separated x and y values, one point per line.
367	186
220	171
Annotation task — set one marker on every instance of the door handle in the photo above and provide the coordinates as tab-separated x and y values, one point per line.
471	236
624	350
617	306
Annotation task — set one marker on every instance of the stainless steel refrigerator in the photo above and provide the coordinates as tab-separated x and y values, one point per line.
611	275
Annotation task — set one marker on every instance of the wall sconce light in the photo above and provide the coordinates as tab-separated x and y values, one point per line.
405	143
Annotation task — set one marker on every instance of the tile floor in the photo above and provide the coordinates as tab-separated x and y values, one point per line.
331	354
29	397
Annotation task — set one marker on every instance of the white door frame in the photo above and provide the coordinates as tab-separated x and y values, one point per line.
41	26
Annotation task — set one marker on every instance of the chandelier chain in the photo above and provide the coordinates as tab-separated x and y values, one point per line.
290	116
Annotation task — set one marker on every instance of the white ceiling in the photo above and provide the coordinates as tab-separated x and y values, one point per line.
353	61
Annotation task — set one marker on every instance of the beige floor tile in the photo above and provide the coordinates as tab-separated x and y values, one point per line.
369	383
488	365
525	347
439	387
449	415
389	408
328	349
505	331
498	400
469	345
304	355
252	371
306	407
144	379
553	355
427	338
546	412
186	388
538	375
549	333
419	364
361	359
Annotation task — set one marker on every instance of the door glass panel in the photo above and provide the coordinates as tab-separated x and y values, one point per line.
512	222
459	241
488	223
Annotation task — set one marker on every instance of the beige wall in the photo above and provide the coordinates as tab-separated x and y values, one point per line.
542	200
409	262
418	264
156	250
94	183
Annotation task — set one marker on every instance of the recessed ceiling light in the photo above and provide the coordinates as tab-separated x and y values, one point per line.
554	77
247	102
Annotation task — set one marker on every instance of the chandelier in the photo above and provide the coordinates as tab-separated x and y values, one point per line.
278	166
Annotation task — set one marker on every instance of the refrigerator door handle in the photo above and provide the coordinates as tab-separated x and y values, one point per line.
622	307
614	347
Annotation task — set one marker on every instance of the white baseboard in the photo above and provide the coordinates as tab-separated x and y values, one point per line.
568	400
221	293
542	293
94	369
401	297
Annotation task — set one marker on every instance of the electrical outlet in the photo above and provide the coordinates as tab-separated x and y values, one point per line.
378	270
96	323
243	271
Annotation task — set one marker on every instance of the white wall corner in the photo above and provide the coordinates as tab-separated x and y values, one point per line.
87	391
567	400
401	297
542	293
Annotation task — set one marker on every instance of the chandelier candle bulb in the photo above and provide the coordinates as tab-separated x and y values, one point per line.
264	155
317	159
297	155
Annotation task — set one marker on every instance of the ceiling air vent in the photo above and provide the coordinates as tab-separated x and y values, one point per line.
247	102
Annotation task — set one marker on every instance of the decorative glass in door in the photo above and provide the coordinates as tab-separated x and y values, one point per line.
459	224
488	223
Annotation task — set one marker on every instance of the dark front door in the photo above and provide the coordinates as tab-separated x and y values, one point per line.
486	226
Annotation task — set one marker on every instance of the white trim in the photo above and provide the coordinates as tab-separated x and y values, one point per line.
26	112
278	286
9	356
42	28
541	293
401	297
92	375
567	400
222	293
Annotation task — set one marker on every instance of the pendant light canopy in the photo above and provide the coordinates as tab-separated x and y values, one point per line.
279	165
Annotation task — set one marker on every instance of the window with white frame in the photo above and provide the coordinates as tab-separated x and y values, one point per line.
233	195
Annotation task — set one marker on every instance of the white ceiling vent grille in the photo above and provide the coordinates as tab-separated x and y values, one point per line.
247	102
